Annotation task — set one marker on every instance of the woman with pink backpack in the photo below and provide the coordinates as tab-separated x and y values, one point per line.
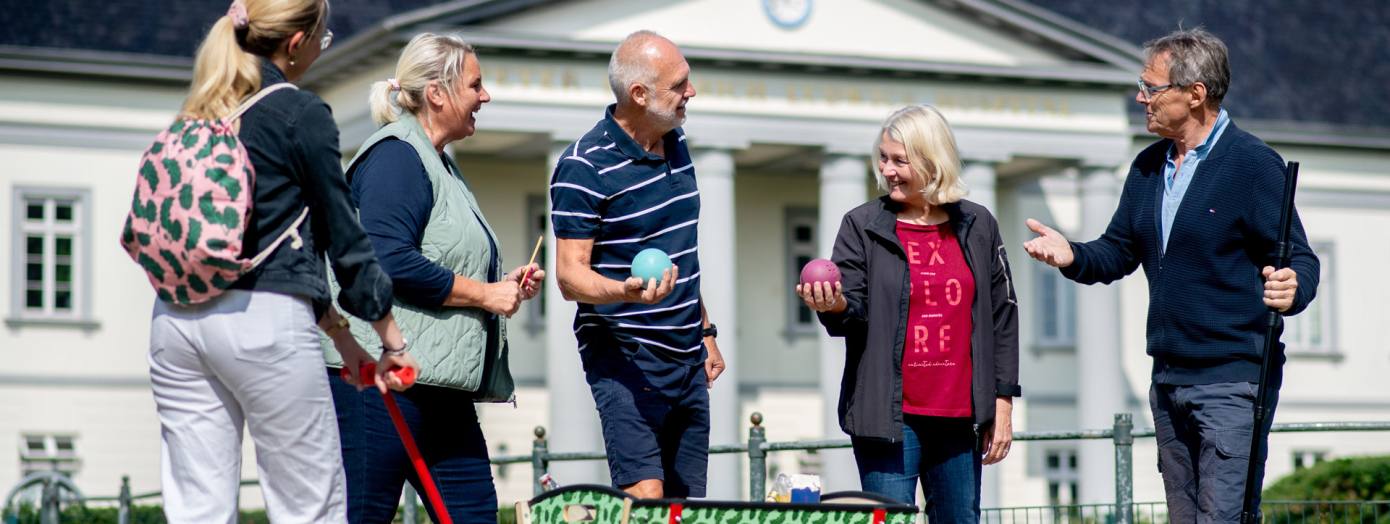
235	208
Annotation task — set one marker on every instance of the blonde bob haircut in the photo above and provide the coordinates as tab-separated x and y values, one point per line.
427	58
931	152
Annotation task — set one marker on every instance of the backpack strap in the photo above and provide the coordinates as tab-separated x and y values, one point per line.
290	232
257	98
293	230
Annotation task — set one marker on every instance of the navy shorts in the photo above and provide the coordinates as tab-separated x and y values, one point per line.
655	417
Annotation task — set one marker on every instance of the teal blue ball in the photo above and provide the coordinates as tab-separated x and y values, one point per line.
650	263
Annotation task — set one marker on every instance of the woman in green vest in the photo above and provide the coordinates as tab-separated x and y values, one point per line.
451	298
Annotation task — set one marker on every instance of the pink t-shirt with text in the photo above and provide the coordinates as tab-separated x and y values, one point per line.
936	353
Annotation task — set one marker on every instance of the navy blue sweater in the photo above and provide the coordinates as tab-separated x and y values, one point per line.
1206	309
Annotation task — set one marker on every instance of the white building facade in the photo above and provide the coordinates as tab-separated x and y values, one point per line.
790	97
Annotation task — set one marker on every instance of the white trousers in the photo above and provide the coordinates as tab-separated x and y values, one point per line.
245	357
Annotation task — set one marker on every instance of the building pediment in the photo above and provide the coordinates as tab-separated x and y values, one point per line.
844	62
950	38
877	29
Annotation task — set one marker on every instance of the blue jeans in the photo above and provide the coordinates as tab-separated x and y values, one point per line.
445	426
940	452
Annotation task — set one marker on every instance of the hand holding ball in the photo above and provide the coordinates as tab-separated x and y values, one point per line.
649	264
819	288
820	270
653	277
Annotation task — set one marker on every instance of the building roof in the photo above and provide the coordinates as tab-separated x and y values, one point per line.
1323	63
154	27
1295	67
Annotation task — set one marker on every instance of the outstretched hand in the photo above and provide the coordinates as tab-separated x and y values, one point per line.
1049	247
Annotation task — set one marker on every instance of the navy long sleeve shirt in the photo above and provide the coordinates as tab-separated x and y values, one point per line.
1206	312
394	199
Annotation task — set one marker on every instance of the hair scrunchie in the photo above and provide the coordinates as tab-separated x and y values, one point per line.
237	12
395	84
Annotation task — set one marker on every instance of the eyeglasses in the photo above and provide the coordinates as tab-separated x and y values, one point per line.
1148	92
327	33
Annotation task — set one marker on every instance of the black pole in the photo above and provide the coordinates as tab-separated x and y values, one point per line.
1257	435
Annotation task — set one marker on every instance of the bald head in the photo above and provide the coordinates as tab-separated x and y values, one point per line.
642	58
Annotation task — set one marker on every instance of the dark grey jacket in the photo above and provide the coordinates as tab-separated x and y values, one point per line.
874	274
293	144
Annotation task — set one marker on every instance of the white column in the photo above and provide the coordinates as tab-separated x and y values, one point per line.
574	424
1101	389
980	178
714	169
843	184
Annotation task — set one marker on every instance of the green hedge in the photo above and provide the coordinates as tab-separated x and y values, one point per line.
155	515
1347	480
107	515
1358	478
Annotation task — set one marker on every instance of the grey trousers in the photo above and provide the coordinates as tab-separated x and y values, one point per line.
1203	434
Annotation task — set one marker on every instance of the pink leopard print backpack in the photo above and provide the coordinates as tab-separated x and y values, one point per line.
192	201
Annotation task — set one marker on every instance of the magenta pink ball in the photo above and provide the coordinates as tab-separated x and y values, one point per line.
820	270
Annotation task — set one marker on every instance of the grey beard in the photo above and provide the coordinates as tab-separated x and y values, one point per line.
667	119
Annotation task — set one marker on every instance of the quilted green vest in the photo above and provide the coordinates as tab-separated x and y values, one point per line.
450	343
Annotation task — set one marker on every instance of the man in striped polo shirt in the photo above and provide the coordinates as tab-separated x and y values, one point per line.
648	348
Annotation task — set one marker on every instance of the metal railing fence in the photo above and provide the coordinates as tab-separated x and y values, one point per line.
757	448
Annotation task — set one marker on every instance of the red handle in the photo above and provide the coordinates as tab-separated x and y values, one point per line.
368	374
407	375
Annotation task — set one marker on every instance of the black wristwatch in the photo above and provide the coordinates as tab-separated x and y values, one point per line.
711	332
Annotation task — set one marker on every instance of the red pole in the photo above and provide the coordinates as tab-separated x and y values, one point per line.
431	491
407	375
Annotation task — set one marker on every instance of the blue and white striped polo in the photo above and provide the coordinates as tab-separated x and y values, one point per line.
608	188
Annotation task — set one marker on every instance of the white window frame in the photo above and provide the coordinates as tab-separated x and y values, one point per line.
1306	458
537	224
1321	312
794	217
78	229
1066	477
51	457
1063	303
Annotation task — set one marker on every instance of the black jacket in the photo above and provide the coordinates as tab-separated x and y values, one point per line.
874	274
293	144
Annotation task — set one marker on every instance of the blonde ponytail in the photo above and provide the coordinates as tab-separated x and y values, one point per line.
428	57
227	70
223	74
384	108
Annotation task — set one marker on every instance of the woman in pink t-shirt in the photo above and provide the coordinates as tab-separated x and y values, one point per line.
930	320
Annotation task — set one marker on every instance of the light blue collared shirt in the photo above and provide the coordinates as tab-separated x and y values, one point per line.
1175	180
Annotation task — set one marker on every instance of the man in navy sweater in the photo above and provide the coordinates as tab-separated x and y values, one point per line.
1200	211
